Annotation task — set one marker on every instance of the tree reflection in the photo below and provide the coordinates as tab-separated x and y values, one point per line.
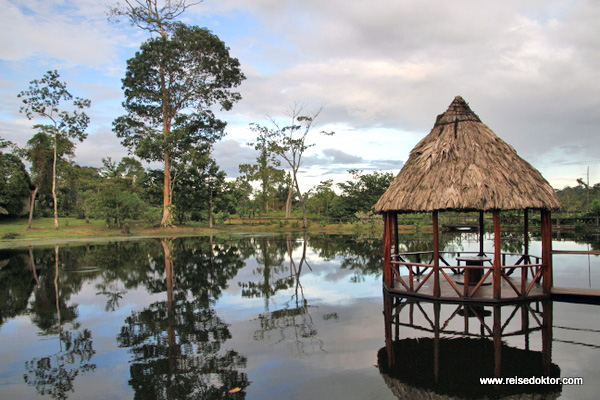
55	374
17	282
294	320
270	256
177	344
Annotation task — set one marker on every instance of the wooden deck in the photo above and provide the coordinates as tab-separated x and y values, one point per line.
575	295
483	295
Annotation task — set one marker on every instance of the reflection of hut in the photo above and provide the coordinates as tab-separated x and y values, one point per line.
463	166
456	351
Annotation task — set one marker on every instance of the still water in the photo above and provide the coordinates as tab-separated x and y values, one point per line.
269	317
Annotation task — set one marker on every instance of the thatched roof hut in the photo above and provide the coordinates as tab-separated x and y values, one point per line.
463	165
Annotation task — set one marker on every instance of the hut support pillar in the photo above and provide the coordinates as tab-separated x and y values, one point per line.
496	273
546	250
436	255
481	234
526	232
387	250
396	238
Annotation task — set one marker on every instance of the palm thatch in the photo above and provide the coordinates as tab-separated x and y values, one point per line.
463	165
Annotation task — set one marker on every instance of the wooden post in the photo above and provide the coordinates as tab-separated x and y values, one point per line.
481	233
436	256
526	259
547	250
387	250
396	239
496	275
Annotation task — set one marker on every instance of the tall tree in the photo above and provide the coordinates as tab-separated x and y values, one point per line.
44	100
289	143
40	153
170	85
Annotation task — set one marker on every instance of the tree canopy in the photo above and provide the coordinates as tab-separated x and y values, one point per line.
170	86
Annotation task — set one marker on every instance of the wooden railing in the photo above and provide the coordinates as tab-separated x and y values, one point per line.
420	272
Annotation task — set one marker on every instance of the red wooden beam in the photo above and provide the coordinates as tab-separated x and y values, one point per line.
436	255
496	276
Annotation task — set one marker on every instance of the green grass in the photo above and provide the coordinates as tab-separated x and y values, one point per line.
72	229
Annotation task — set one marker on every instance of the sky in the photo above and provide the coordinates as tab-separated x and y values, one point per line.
381	70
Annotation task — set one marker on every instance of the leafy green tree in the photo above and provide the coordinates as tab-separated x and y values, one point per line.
15	185
595	208
322	198
170	85
361	192
43	100
116	199
265	169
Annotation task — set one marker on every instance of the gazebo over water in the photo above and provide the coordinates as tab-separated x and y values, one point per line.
461	165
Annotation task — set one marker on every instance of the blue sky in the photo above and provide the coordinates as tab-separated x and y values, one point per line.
382	69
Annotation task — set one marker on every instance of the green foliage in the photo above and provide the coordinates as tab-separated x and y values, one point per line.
595	208
45	100
363	191
322	198
358	195
14	185
265	170
579	199
114	205
152	215
170	86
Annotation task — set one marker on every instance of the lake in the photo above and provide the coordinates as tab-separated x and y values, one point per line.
272	317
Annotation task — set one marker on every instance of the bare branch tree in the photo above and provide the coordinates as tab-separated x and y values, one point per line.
153	16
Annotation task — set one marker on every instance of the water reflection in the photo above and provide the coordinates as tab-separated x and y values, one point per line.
293	322
177	343
462	343
55	374
200	317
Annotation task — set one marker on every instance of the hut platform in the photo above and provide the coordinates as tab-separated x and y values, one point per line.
484	293
576	295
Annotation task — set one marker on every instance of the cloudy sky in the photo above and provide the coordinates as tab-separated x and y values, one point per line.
382	69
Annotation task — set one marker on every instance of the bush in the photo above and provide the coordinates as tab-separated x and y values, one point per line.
152	215
11	235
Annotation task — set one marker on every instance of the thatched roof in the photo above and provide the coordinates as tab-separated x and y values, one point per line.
463	165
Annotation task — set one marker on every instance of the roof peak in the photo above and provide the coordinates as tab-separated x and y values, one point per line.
458	110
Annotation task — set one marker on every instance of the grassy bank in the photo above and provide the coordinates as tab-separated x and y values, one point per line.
14	233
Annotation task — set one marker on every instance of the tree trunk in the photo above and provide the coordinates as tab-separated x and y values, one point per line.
303	202
210	210
54	185
31	206
288	203
167	216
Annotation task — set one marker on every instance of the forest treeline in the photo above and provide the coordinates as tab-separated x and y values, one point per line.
124	189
